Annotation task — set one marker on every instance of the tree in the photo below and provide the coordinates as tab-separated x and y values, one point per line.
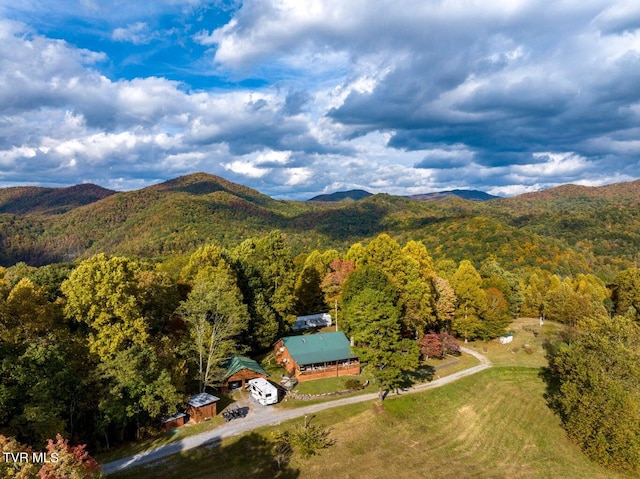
494	276
208	255
382	252
471	306
71	462
445	300
369	278
437	345
103	292
266	278
64	461
19	469
310	439
570	301
216	317
332	282
308	291
534	288
137	388
598	392
158	299
626	292
373	320
27	314
496	316
431	345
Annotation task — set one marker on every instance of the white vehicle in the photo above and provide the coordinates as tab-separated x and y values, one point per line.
263	391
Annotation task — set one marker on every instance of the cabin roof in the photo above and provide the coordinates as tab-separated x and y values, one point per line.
238	363
318	348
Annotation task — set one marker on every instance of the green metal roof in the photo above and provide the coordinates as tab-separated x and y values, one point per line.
318	348
238	363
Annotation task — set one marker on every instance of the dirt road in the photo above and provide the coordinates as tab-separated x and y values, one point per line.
271	416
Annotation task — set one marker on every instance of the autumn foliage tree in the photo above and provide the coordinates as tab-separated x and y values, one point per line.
60	461
72	462
437	345
472	301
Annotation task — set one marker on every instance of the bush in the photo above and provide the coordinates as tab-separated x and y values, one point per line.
527	349
310	439
352	384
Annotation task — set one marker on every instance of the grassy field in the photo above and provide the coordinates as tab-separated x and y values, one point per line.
526	331
491	425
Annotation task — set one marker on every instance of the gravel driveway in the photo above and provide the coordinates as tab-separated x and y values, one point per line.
267	416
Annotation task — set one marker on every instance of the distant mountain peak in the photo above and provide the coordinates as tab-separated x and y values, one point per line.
206	183
351	195
471	195
48	201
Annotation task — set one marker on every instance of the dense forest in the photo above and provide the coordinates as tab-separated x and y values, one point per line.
99	349
566	230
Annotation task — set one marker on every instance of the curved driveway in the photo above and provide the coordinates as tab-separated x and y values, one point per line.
274	417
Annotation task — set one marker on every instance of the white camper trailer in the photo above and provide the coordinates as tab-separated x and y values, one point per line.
263	391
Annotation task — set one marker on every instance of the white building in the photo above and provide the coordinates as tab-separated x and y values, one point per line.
263	391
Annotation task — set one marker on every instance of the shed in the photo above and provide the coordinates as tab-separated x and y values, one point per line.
507	338
315	356
202	406
173	422
239	370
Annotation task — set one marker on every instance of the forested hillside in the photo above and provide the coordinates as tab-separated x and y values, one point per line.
569	229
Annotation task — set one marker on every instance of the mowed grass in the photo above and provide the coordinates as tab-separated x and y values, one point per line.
326	385
526	331
494	424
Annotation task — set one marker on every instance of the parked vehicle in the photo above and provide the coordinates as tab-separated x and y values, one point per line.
263	391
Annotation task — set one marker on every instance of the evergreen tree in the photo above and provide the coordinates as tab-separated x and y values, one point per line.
372	318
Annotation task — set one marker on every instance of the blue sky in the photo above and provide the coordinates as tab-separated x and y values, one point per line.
300	97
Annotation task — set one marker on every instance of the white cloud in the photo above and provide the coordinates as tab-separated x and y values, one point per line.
137	33
403	97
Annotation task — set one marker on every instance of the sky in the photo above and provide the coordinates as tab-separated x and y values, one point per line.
300	97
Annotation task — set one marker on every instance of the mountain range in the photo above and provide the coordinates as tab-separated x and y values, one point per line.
566	229
355	195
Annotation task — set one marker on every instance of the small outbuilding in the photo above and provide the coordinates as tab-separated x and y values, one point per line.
240	369
506	338
314	356
173	422
201	407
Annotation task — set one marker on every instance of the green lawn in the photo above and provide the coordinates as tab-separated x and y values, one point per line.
494	424
526	331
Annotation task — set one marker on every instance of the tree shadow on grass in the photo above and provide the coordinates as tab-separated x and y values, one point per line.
251	456
423	374
254	455
550	377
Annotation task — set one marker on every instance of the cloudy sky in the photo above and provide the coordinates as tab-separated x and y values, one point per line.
300	97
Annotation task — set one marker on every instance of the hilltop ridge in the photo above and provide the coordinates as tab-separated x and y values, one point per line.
567	229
